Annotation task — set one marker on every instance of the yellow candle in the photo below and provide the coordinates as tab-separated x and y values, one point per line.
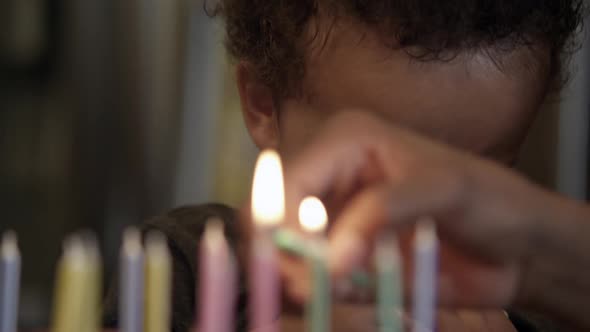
158	283
72	275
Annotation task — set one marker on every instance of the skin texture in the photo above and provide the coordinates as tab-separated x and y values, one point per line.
503	240
467	103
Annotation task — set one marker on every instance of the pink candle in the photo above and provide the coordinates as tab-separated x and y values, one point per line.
264	285
268	212
217	278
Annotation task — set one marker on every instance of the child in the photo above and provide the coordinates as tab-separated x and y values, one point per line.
470	73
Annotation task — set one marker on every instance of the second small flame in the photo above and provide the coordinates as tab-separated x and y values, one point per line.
312	215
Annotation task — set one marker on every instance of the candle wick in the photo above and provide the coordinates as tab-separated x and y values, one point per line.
74	252
132	242
10	245
388	250
214	235
156	245
426	233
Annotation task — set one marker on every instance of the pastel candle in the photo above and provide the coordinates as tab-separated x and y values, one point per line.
72	276
389	284
290	242
158	283
268	211
313	220
294	244
131	282
217	281
425	272
10	265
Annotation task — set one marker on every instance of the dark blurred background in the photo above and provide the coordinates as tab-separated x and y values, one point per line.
114	111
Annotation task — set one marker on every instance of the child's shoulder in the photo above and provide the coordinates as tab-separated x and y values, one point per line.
183	227
187	223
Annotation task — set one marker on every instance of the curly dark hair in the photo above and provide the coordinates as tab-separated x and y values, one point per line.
269	33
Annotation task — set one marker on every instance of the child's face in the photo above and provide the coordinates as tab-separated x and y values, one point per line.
466	102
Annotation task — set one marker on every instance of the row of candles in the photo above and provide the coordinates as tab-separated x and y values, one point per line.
145	281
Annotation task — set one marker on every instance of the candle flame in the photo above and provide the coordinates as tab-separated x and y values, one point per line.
268	191
312	215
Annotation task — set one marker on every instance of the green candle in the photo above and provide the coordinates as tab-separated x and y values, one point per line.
314	219
290	242
294	244
318	308
389	284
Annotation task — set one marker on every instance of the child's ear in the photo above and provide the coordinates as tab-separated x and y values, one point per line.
258	108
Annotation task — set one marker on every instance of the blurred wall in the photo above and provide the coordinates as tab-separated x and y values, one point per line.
110	112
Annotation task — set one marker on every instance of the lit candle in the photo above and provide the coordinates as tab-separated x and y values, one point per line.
158	285
131	282
268	211
10	264
425	270
70	306
294	244
290	242
389	283
217	277
314	219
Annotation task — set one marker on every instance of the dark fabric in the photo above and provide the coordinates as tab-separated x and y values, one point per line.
183	228
531	322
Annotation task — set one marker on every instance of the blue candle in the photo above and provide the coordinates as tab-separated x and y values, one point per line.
131	282
425	271
9	282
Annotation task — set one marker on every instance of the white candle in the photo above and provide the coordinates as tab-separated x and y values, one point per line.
314	220
425	273
131	282
268	211
10	264
217	277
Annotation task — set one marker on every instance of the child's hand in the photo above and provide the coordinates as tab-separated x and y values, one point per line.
374	176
